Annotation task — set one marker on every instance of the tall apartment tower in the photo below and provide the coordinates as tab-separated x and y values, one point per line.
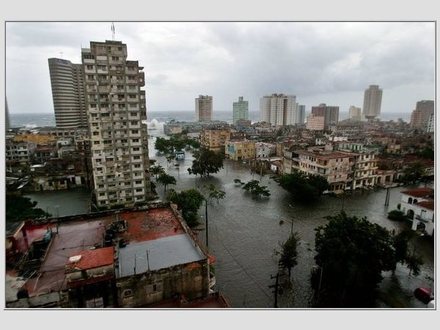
116	108
355	113
279	109
204	108
372	102
330	114
240	110
420	116
67	81
301	116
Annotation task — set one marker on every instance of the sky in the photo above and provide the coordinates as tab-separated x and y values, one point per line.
330	63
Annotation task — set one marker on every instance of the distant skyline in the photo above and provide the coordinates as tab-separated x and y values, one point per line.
330	63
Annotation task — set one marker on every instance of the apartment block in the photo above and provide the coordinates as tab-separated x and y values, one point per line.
335	166
240	150
418	205
315	123
330	114
68	94
355	113
116	108
422	113
240	110
372	102
204	108
215	139
279	110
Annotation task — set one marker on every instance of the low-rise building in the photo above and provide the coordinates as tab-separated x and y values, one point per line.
240	150
215	139
130	258
264	150
335	166
418	205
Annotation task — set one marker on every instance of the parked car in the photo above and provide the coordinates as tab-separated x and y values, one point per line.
423	294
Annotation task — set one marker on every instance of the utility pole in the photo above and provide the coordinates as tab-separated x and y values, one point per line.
387	198
275	287
206	221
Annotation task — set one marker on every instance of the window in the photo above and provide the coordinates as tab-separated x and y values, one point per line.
89	67
136	157
138	182
96	142
139	190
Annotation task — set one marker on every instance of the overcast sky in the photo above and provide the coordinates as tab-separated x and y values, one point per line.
329	63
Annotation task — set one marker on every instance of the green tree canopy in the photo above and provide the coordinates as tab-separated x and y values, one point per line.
255	189
20	208
304	188
156	170
351	254
206	162
188	202
166	180
289	253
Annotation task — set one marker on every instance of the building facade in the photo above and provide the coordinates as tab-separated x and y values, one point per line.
315	123
68	94
279	109
215	139
240	150
355	113
330	114
372	102
240	110
301	114
422	113
418	205
204	108
116	108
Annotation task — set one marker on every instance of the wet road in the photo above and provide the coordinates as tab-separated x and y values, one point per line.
245	233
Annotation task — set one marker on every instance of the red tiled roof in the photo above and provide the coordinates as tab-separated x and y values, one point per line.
93	258
419	192
427	205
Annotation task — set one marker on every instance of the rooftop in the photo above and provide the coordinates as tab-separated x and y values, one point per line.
138	258
420	192
88	259
157	230
427	205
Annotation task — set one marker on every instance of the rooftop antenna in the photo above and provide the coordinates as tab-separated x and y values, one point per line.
113	31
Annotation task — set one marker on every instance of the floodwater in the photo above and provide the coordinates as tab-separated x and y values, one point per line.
244	233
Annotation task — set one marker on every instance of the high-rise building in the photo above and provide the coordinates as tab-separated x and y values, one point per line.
67	80
204	108
301	115
355	113
330	114
372	102
240	110
116	109
420	116
279	109
430	124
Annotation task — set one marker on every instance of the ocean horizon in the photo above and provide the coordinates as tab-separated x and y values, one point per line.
32	120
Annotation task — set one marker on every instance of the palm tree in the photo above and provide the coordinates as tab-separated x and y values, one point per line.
166	180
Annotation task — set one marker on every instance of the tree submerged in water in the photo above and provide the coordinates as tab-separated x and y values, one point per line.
351	254
304	188
206	162
256	190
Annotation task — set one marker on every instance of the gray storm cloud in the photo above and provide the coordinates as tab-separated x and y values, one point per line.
318	62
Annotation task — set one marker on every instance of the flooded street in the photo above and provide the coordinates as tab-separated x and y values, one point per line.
244	234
